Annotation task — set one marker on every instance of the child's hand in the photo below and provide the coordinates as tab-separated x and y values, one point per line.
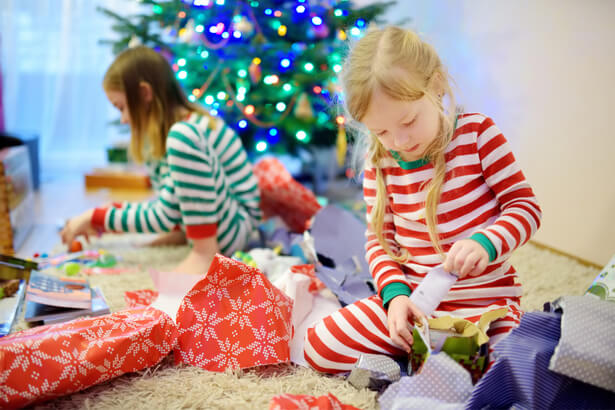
466	257
79	225
401	313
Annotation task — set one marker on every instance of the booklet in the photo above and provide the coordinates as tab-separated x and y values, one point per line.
36	312
62	292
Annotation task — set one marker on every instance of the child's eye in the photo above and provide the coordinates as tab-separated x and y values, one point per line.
407	124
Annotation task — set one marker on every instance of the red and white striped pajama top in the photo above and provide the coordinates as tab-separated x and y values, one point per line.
485	196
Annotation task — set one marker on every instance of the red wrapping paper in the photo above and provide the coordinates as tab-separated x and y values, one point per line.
302	401
281	195
49	361
234	318
308	270
140	298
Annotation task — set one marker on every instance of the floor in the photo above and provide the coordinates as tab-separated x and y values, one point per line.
60	196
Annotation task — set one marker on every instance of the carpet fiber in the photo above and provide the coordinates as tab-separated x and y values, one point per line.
545	276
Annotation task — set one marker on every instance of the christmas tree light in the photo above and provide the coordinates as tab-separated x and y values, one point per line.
267	67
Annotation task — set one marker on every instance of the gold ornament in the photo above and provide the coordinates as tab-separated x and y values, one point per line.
341	145
303	109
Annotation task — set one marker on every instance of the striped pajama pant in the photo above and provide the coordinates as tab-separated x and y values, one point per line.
334	344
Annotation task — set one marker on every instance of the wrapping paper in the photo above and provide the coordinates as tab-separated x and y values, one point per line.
54	360
603	287
234	318
301	402
374	372
520	377
140	298
311	303
281	195
585	350
339	239
443	383
462	340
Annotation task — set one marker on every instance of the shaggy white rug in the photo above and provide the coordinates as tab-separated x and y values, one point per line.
545	276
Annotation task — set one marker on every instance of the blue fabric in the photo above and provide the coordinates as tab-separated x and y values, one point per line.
520	376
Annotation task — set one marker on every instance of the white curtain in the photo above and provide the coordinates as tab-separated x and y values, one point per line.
52	70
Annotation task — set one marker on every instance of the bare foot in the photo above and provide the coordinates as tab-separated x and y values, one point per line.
173	238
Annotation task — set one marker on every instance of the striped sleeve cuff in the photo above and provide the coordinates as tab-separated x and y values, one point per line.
393	289
98	218
201	231
485	243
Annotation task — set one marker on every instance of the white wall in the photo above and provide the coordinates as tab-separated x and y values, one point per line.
545	72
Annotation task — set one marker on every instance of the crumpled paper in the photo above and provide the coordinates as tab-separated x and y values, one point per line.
374	372
442	384
283	196
586	350
339	237
520	377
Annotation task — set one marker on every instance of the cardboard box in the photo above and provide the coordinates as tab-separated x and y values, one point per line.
118	177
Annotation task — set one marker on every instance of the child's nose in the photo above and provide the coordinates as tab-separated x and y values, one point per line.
401	138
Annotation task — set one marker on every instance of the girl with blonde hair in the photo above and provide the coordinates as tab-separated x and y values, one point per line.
198	166
440	187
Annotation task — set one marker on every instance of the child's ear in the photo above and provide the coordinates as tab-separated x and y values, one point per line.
436	85
145	91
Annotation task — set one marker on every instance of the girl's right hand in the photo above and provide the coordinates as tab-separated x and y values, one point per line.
402	312
77	226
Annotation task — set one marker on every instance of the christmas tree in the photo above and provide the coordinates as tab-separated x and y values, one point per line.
268	68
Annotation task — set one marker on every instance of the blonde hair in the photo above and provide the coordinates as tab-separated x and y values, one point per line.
405	68
149	123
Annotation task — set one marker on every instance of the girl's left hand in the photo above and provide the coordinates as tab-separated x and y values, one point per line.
466	257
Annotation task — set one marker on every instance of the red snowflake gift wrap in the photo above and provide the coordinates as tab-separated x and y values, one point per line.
54	360
234	318
283	196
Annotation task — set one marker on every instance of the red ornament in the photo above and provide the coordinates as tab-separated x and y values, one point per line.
75	246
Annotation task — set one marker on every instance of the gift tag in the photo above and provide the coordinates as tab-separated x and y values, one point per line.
433	289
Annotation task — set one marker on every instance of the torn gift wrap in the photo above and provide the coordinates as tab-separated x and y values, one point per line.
283	196
442	383
464	341
374	372
54	360
586	350
520	377
339	237
234	318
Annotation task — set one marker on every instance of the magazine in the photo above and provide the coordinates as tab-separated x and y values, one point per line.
62	292
37	312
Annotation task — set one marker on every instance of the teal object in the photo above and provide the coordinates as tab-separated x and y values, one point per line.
106	260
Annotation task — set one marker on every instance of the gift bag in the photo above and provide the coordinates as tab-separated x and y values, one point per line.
55	360
234	318
464	341
282	195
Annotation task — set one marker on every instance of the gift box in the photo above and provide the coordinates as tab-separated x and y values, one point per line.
464	341
282	195
49	361
234	318
603	287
